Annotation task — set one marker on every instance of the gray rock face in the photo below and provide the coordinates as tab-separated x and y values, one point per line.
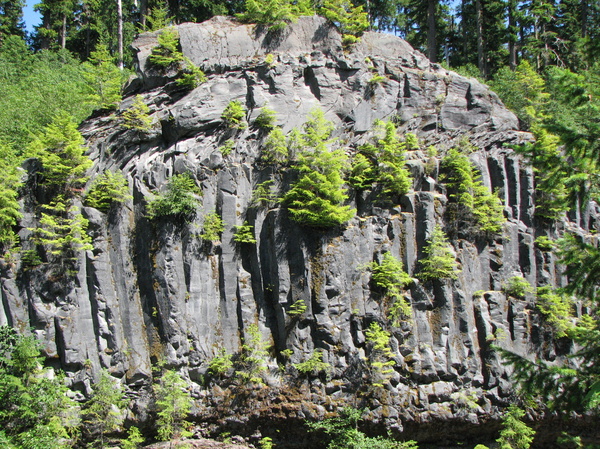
155	291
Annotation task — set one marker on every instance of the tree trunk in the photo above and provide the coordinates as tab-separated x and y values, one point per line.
431	30
512	34
63	32
120	32
480	54
584	18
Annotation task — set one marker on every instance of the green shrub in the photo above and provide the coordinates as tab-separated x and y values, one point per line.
266	119
227	147
544	243
220	364
173	405
263	194
380	357
275	150
314	365
517	287
411	141
133	440
351	21
297	308
107	189
382	162
275	13
316	198
515	434
390	276
137	116
178	201
377	79
244	234
190	76
439	262
213	227
10	209
557	310
234	115
166	54
251	364
473	201
104	79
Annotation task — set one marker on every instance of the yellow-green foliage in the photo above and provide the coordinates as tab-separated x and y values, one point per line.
439	262
517	287
275	13
266	119
220	364
474	201
275	149
10	210
251	364
178	201
213	227
244	234
314	365
390	276
106	189
298	308
515	434
234	115
316	198
104	79
351	20
173	405
264	195
382	161
556	308
380	358
137	116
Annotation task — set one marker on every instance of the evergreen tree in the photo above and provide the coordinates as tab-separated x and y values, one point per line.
10	210
104	80
102	413
439	262
351	20
515	433
316	198
173	405
11	18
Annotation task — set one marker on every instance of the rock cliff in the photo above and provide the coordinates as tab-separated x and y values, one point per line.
153	290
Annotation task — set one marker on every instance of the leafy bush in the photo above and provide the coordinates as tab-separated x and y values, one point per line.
557	309
266	119
380	357
275	150
382	162
474	201
244	234
544	243
137	116
343	433
167	55
351	21
297	308
263	194
227	147
234	115
313	365
106	189
316	198
275	13
517	287
10	210
213	227
220	364
515	434
178	201
251	364
439	262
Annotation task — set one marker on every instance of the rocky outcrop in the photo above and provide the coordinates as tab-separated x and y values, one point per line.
154	290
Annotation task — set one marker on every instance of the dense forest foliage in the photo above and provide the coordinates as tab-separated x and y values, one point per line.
538	55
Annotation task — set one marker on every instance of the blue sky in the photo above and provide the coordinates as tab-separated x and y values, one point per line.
31	17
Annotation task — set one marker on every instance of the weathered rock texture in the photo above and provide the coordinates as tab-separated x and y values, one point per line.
155	291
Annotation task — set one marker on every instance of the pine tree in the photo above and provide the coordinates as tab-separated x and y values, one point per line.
439	262
351	20
103	413
104	80
10	210
380	356
11	18
173	405
316	198
515	433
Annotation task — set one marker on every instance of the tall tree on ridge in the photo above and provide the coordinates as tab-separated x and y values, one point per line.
11	18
